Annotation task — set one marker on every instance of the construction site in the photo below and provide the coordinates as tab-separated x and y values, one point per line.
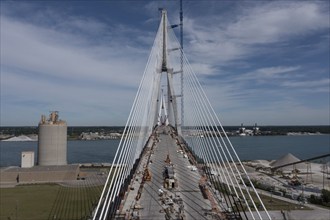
291	177
169	182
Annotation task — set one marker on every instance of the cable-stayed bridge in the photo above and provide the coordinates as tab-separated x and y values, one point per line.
174	160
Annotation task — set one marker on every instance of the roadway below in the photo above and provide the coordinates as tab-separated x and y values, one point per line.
189	202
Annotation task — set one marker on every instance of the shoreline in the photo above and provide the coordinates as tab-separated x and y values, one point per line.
34	137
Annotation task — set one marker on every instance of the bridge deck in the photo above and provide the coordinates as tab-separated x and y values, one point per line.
151	205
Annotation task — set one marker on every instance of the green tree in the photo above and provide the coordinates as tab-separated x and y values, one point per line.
325	195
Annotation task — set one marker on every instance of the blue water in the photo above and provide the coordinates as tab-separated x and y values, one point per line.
247	148
273	147
100	151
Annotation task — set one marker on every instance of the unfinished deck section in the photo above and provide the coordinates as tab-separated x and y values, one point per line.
156	198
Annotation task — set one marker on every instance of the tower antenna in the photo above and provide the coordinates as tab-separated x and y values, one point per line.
181	59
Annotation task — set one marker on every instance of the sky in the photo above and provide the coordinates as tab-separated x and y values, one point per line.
264	62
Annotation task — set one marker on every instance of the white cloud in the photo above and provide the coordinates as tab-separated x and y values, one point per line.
80	65
277	82
314	83
265	107
39	96
203	68
277	22
83	24
249	32
269	73
32	49
67	71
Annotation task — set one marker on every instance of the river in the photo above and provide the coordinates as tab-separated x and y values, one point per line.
248	148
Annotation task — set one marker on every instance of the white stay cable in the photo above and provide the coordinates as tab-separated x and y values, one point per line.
227	139
104	199
210	112
206	115
208	104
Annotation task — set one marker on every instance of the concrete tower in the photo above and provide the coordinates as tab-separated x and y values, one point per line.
52	142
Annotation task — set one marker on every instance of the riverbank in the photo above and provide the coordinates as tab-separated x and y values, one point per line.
103	151
101	132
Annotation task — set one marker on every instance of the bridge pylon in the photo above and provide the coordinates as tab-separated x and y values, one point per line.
200	148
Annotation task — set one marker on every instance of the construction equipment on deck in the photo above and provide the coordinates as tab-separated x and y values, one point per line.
146	175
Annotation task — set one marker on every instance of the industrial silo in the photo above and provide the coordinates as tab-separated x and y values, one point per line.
52	141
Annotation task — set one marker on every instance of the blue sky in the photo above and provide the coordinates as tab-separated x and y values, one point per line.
258	61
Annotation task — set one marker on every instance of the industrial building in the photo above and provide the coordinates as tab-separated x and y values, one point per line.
52	141
27	159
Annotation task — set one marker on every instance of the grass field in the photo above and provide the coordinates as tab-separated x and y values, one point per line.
47	201
270	202
51	201
277	204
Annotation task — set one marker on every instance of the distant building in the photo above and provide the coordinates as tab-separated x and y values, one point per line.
52	141
98	136
27	159
242	131
89	136
256	129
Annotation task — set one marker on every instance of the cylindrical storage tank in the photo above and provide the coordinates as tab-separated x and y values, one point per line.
52	144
